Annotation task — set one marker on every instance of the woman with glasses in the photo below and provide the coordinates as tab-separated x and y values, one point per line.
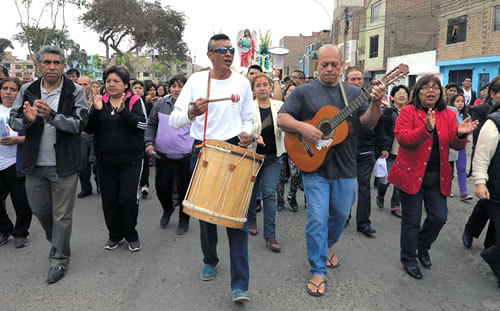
399	99
425	130
10	182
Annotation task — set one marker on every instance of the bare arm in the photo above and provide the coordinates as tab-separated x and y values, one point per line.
277	94
289	124
372	114
370	118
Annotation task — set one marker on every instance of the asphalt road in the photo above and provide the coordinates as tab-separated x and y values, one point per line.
165	274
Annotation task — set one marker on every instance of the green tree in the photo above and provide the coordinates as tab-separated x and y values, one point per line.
31	29
133	25
4	44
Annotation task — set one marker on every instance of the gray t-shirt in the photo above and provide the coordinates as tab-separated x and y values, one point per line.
303	104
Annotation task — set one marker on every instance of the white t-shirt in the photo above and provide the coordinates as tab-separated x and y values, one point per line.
467	96
7	153
225	118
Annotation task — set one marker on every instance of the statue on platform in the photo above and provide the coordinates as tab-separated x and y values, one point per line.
246	47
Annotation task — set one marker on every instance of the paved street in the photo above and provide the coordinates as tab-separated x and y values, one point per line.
165	274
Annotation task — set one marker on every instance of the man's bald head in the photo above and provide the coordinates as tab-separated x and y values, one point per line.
329	64
86	84
329	48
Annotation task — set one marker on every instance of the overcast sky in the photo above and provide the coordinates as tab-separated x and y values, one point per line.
203	19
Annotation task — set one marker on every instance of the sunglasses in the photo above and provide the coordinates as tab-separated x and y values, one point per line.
224	49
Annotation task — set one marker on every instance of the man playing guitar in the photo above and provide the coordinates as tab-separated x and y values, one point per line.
331	189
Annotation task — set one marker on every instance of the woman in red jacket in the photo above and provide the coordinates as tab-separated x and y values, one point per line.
425	130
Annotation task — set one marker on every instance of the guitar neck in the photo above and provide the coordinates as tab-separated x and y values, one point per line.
347	111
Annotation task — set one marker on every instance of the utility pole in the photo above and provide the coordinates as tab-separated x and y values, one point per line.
346	31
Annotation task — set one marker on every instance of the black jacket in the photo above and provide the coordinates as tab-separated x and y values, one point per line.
69	120
480	113
118	137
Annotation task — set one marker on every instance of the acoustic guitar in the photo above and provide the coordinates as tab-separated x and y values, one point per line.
332	123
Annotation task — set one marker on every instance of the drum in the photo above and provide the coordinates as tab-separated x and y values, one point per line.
222	183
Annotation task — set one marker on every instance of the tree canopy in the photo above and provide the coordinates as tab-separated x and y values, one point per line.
133	25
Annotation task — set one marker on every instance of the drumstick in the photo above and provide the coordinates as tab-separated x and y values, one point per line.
234	98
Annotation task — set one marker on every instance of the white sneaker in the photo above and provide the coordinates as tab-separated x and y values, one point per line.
144	191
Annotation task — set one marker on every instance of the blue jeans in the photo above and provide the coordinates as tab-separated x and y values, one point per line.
238	252
238	243
268	179
328	204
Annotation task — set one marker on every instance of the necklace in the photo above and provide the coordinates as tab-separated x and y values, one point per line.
113	110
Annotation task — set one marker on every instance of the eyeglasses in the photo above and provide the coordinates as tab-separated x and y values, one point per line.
401	93
49	62
427	87
299	78
223	50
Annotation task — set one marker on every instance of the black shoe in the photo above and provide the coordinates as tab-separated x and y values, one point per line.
182	228
380	201
55	274
414	272
165	219
293	203
83	194
367	230
424	259
280	205
467	239
258	206
20	242
489	256
4	239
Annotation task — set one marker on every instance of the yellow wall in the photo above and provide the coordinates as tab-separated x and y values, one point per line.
373	29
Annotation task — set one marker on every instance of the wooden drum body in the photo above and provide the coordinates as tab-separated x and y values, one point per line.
222	183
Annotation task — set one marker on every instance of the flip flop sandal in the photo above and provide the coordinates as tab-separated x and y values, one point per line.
316	293
330	261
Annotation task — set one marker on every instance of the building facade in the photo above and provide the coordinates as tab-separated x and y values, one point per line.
469	41
18	67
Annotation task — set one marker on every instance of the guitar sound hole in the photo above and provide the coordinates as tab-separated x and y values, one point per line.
326	129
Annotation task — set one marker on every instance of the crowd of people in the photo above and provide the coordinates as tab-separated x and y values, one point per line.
62	127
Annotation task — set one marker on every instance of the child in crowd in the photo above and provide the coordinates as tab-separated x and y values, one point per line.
458	101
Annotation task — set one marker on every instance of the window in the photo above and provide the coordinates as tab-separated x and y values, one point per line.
29	66
374	46
19	74
145	74
496	21
457	30
18	66
375	15
6	65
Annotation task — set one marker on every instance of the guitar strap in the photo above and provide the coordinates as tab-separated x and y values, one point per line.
344	97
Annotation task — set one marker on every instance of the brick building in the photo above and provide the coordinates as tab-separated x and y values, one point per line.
297	46
469	41
18	67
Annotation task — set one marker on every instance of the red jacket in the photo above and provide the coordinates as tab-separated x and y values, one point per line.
415	148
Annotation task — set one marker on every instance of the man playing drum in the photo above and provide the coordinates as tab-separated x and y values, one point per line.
228	121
